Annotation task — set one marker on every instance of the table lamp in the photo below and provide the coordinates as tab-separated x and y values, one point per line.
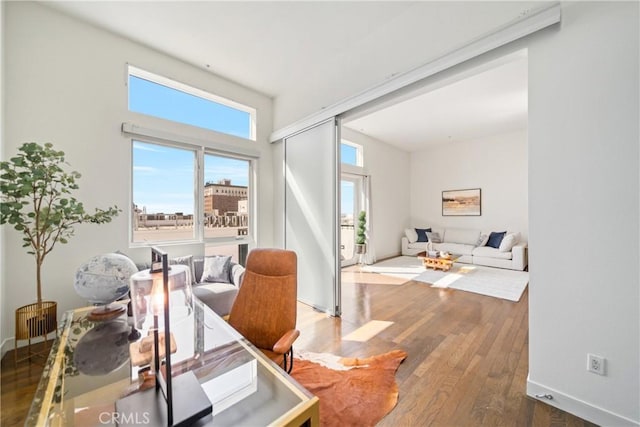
160	295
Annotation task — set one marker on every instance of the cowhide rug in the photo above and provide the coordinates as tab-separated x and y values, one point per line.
352	391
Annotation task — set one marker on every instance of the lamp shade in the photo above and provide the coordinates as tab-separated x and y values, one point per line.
147	296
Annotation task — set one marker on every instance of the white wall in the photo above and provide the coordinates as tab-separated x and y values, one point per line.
3	269
584	211
65	83
389	171
497	165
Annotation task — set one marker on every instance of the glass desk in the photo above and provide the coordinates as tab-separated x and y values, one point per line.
89	369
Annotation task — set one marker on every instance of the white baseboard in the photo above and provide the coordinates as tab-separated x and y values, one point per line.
578	407
7	344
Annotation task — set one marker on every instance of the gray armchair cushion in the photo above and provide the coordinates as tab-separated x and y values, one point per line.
218	296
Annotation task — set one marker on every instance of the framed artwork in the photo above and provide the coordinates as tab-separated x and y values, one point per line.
461	202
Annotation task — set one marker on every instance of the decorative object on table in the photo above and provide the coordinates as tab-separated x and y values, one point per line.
461	202
162	292
102	280
37	201
360	390
103	349
444	255
432	253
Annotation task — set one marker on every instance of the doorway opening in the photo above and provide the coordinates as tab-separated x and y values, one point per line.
351	203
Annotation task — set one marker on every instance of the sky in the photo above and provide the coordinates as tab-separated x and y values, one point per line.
163	177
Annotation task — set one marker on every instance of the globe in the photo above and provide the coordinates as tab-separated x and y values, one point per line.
104	278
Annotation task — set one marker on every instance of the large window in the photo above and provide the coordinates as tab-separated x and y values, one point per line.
163	203
167	99
169	198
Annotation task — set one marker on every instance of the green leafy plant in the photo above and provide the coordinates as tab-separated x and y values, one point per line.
361	237
37	201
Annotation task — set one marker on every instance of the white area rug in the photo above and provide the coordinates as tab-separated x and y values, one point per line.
404	267
493	282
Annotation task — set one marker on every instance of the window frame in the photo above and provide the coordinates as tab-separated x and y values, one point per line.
182	87
251	200
199	235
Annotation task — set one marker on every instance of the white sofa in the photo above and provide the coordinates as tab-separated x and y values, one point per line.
470	245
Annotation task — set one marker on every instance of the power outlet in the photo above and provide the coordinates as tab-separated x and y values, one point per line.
596	364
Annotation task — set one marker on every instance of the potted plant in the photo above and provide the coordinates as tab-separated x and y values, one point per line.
37	202
361	236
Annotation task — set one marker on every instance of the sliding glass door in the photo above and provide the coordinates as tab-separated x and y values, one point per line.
351	203
311	213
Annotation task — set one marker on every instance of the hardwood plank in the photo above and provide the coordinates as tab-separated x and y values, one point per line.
18	385
467	361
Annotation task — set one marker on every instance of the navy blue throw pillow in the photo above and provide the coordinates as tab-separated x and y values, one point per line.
422	234
495	238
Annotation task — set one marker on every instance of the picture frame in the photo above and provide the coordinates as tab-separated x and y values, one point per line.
466	202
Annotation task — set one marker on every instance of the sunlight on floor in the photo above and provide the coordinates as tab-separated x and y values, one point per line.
447	280
367	331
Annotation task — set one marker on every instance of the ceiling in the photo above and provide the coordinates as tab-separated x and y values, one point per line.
307	55
489	102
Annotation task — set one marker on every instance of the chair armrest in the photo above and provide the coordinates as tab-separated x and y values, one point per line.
284	344
237	274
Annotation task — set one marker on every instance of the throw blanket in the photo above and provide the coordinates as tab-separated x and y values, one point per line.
360	393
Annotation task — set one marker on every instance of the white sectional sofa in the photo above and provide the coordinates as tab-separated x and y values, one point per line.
472	247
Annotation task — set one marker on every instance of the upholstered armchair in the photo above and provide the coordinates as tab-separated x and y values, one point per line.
264	311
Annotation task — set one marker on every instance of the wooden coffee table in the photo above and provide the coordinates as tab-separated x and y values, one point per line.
438	263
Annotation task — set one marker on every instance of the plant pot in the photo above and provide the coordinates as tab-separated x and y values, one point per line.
35	320
361	248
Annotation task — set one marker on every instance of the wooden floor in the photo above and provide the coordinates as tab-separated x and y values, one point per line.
18	385
467	358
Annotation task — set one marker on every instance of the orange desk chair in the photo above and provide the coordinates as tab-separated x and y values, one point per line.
265	309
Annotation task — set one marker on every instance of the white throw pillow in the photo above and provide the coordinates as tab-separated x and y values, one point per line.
434	237
483	239
411	234
509	242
